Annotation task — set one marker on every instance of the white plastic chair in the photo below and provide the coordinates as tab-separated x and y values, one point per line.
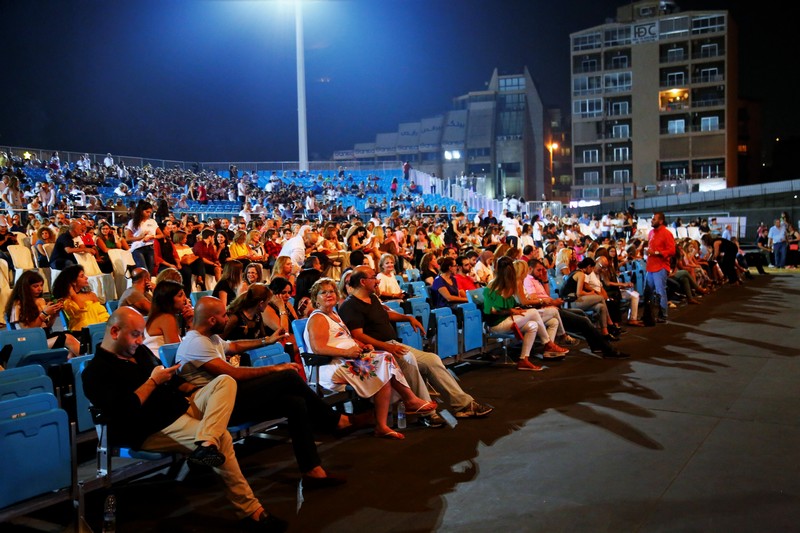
121	260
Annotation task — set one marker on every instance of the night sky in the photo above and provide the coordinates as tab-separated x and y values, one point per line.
211	80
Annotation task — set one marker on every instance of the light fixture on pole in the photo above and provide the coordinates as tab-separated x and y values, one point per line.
302	129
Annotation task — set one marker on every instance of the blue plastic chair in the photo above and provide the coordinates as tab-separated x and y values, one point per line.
269	355
96	333
38	454
30	348
167	353
111	306
446	332
83	415
21	372
195	296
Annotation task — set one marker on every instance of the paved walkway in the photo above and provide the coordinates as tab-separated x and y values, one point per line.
699	431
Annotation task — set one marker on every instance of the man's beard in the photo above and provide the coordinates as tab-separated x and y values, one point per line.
217	329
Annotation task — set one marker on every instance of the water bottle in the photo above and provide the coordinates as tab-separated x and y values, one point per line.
110	514
401	415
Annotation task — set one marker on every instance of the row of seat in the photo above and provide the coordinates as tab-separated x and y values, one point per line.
38	437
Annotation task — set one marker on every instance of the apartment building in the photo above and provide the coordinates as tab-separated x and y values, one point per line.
654	103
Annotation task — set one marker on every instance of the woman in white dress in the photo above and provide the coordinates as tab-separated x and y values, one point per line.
371	373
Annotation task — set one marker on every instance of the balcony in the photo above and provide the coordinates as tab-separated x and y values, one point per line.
708	78
709	102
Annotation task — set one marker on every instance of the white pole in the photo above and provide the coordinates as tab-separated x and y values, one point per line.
302	131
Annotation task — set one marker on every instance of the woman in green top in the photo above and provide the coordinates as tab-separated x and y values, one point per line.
503	315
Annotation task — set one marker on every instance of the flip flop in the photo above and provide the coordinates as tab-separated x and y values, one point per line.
392	435
426	408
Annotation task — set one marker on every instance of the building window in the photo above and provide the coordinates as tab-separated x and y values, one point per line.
587	41
709	74
709	123
676	126
589	65
742	149
673	27
620	108
591	177
512	84
708	24
588	108
621	131
675	54
618	36
709	50
676	78
591	156
587	85
591	193
622	153
621	176
619	62
620	81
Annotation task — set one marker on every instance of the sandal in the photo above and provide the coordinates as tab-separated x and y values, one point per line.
393	435
426	408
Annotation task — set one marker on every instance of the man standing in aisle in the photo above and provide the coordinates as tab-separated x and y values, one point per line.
660	250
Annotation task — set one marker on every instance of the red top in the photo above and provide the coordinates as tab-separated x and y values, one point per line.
662	241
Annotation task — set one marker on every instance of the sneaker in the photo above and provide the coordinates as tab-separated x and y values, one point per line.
615	354
474	410
566	340
267	522
206	456
672	305
661	320
525	364
433	421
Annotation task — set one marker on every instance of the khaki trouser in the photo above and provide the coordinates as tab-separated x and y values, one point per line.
207	420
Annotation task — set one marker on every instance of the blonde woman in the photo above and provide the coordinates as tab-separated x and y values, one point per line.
564	260
283	268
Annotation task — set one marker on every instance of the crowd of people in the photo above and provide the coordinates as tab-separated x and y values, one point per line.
553	282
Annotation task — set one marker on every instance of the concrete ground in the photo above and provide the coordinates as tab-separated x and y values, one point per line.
698	431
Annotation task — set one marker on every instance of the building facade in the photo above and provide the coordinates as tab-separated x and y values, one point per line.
654	103
499	134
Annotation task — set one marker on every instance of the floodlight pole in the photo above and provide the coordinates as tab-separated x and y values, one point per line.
302	129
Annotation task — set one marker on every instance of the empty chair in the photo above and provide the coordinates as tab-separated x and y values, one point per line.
93	335
22	258
22	372
30	347
472	328
37	455
83	415
21	388
446	338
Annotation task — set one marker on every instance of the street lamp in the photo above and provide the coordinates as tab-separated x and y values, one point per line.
302	130
552	147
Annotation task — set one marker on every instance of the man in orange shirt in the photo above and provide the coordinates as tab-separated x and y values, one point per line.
660	250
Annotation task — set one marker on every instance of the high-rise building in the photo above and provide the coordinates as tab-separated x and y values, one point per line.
499	133
654	102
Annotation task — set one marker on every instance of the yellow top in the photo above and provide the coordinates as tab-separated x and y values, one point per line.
78	318
239	250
